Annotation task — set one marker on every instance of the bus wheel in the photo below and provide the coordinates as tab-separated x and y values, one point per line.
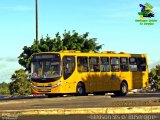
80	90
123	90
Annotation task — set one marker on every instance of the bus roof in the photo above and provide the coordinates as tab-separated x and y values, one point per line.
79	53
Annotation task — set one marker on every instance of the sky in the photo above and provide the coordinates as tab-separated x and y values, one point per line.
112	22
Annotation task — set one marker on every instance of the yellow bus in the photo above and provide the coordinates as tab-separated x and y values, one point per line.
74	72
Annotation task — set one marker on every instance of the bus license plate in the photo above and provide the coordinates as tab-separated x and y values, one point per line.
44	89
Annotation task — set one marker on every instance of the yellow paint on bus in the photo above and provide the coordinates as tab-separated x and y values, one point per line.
81	73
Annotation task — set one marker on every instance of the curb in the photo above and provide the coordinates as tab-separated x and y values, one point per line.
72	111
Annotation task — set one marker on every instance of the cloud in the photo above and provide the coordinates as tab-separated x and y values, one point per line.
1	59
19	8
8	59
7	68
22	8
2	66
5	62
152	65
122	14
11	59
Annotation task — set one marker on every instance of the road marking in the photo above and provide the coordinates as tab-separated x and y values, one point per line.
106	110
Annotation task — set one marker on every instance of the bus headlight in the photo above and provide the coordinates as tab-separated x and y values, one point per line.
56	85
32	85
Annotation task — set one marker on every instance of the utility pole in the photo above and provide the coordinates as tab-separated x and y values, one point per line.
36	21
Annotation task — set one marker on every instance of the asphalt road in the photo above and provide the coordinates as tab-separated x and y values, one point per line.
131	100
8	107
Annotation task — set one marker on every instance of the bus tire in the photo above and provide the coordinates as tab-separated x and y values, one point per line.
80	90
123	90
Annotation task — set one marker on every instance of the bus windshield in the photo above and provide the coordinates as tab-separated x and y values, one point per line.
45	67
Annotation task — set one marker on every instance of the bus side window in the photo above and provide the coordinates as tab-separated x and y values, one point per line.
68	66
94	64
124	64
141	64
82	64
104	64
133	64
114	64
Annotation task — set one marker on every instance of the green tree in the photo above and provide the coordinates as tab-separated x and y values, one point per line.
155	75
4	89
20	84
68	41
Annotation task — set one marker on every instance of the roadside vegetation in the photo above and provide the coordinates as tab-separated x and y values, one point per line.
154	78
4	89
